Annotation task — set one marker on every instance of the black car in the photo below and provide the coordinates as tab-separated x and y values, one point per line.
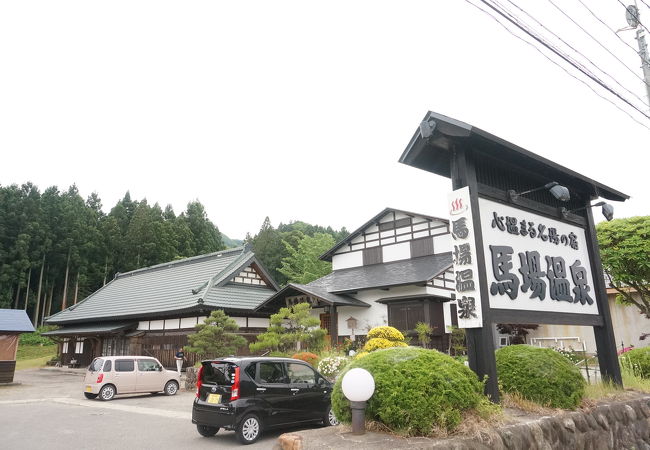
251	394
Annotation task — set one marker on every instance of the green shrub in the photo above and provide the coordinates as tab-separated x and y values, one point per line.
541	375
416	390
36	338
638	361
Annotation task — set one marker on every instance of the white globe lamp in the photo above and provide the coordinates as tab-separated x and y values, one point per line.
358	386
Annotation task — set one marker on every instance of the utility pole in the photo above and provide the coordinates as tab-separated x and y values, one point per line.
633	17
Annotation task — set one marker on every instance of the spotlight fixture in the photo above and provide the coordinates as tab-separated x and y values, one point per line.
607	210
427	127
556	189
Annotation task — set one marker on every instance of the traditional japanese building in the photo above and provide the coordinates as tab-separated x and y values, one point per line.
151	311
393	270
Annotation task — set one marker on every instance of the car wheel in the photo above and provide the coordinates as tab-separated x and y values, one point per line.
249	429
330	420
171	388
107	392
207	431
90	395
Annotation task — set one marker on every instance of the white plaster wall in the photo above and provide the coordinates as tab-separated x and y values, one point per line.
446	310
442	244
347	260
143	325
172	324
439	292
188	322
241	321
627	323
156	324
397	252
258	322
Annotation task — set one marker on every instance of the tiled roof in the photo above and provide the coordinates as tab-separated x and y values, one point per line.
166	288
397	273
97	328
15	321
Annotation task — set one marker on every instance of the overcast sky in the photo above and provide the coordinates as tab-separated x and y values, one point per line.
295	110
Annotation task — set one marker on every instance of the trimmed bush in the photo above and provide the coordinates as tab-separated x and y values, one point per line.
308	357
637	360
416	390
381	343
390	333
541	375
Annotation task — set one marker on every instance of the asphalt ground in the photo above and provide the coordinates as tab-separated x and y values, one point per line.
46	409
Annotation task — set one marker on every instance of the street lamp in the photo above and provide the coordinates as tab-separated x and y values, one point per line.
358	386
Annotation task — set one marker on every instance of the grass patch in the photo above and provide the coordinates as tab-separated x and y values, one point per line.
35	351
33	363
516	401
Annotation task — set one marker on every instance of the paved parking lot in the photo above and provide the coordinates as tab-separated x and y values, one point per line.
48	410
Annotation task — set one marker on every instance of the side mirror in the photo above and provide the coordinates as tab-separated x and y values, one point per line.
160	368
322	382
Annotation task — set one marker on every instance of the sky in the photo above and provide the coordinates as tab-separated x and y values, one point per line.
298	110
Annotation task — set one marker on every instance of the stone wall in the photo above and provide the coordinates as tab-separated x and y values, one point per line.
615	425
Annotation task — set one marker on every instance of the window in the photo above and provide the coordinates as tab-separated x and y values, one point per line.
299	373
250	371
95	365
65	345
221	373
147	365
272	372
404	316
79	347
421	247
372	255
124	365
108	365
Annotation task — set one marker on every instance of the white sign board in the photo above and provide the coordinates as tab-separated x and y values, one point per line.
468	294
534	263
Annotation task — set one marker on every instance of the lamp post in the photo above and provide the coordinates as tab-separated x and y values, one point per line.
358	386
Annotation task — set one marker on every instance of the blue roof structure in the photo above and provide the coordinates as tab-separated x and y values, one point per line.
15	321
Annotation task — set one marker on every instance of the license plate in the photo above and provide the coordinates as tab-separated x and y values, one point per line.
214	398
88	389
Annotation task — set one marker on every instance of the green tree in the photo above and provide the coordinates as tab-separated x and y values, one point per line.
302	264
424	333
625	253
216	336
291	328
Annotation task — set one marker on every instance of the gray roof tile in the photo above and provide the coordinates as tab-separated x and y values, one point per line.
165	288
397	273
15	321
98	328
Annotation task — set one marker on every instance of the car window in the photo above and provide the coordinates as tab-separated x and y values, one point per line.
272	372
124	365
95	365
219	372
299	373
147	365
250	370
108	365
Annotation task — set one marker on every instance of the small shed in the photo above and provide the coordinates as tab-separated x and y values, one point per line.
12	323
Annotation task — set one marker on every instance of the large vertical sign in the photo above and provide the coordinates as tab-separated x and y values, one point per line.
535	263
468	295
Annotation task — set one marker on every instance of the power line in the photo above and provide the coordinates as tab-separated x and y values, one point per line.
599	43
565	58
582	55
634	15
557	64
608	27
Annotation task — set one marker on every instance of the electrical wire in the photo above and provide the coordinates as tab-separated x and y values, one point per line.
643	102
602	45
634	15
556	63
611	29
565	58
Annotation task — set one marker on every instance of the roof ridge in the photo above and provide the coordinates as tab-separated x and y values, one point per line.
174	263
